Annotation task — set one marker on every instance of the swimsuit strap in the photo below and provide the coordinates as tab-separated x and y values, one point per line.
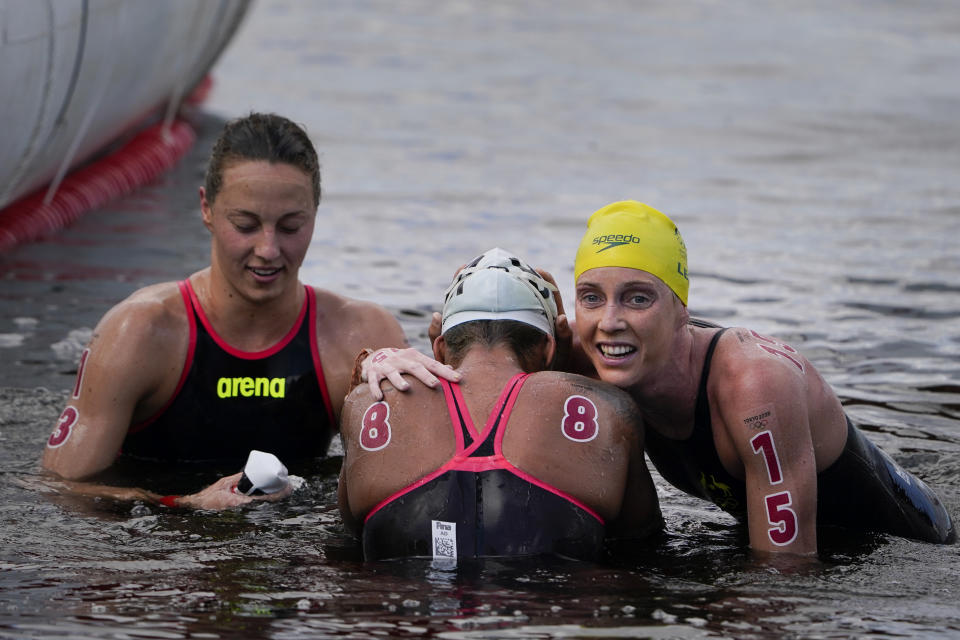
193	321
277	347
484	446
469	441
509	398
460	420
702	412
315	351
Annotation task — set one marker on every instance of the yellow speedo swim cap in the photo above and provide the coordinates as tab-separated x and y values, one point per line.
632	234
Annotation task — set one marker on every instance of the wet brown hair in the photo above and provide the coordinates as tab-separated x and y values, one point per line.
262	136
523	339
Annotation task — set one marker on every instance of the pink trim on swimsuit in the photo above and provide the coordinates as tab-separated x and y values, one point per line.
246	355
315	354
461	460
455	417
184	287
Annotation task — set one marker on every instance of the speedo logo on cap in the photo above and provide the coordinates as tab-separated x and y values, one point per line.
615	240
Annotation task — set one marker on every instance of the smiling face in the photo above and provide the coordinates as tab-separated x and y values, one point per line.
261	222
627	321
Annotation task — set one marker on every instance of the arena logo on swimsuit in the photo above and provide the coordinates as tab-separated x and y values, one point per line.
251	387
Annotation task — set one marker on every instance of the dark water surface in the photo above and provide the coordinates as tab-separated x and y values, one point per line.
809	153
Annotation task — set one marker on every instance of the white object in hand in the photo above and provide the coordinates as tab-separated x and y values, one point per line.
263	473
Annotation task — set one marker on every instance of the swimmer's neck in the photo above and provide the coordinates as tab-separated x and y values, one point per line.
496	362
246	324
667	398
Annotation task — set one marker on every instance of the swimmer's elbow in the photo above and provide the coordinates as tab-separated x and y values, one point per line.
62	472
50	463
67	468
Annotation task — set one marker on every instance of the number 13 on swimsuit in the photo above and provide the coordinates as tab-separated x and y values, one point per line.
782	518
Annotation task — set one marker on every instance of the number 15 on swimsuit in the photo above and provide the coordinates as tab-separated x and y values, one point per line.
782	518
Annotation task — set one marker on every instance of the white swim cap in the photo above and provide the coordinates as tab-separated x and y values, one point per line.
497	285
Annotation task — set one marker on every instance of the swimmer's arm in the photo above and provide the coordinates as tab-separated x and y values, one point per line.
131	351
764	412
118	369
640	515
219	495
348	425
351	523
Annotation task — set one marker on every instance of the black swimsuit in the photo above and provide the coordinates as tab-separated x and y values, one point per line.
479	504
229	401
863	489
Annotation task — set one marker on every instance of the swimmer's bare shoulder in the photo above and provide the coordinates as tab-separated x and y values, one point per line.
345	326
150	327
420	440
131	368
422	409
638	515
418	398
617	400
339	314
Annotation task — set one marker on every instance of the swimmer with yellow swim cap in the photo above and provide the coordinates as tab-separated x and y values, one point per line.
632	234
737	418
732	416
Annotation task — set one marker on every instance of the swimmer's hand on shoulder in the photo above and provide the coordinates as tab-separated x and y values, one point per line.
389	364
222	495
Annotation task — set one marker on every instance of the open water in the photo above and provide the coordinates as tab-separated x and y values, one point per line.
810	153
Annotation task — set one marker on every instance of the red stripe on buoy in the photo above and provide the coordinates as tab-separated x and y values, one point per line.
148	155
201	92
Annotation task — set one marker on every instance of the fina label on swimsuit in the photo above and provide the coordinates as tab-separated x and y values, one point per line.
444	539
